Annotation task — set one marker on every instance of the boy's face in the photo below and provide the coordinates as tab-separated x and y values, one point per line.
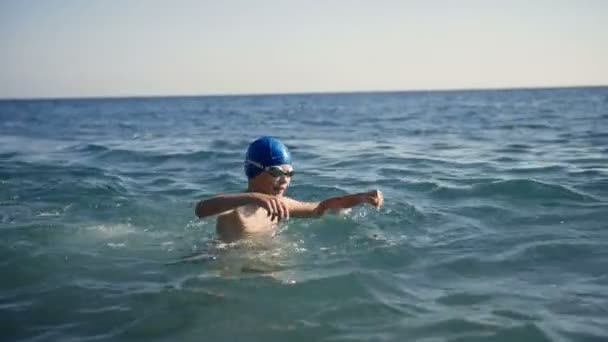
274	182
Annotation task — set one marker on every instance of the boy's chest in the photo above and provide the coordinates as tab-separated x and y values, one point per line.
255	219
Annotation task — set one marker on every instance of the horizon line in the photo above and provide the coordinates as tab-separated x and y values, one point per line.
297	93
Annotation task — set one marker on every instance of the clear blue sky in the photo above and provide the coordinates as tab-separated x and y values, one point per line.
74	48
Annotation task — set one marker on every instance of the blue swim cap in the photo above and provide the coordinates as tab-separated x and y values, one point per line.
263	152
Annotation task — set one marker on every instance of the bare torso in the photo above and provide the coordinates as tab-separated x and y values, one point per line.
243	221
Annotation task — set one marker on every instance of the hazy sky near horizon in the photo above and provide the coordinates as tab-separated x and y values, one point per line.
72	48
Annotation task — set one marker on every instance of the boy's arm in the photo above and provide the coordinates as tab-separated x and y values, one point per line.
307	209
300	209
223	203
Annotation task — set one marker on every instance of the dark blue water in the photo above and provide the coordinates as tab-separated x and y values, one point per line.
494	229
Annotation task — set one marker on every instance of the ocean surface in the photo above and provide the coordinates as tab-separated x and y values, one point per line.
495	224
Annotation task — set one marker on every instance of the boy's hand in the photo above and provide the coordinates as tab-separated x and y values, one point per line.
275	207
375	198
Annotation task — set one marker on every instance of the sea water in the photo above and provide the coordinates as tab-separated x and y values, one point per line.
495	224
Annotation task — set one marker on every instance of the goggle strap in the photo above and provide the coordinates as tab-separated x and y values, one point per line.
267	168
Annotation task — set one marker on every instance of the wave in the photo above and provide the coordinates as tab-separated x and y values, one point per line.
514	148
102	155
538	126
536	169
551	252
589	162
8	155
87	148
523	189
66	184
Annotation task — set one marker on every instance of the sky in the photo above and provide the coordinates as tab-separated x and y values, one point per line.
75	48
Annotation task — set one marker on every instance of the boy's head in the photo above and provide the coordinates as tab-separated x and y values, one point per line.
268	166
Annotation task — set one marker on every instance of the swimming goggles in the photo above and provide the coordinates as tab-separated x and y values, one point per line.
274	171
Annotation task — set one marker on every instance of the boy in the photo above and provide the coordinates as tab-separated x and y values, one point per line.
269	172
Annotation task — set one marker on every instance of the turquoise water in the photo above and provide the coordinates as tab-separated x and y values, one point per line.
494	228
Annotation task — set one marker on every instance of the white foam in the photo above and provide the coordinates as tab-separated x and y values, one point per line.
112	230
116	245
48	214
